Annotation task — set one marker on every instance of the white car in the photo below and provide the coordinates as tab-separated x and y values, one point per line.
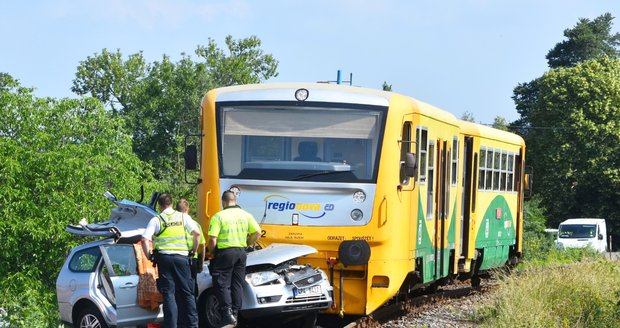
98	283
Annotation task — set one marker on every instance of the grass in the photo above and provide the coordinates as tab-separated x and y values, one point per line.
582	294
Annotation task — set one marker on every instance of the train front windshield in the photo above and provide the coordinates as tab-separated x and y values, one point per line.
280	142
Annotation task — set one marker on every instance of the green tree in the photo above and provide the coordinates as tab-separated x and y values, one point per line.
110	79
574	145
57	159
386	86
587	40
468	116
500	123
245	62
160	101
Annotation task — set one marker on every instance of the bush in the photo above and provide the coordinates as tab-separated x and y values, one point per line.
28	302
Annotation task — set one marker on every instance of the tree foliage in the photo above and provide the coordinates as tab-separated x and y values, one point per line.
570	122
58	157
160	101
587	40
577	161
468	116
500	123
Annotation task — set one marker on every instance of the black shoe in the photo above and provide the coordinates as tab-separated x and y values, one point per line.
228	318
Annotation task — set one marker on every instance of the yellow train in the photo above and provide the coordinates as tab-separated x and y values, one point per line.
394	193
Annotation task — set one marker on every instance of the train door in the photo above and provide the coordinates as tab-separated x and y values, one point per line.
442	208
466	207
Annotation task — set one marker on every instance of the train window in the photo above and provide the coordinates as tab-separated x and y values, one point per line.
504	168
496	168
269	142
483	159
511	158
265	148
489	166
455	160
474	192
405	147
430	201
421	141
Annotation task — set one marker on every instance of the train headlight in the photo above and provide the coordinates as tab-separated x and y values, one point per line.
235	190
359	197
301	94
261	278
357	215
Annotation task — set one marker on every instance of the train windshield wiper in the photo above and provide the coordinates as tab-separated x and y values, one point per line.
314	174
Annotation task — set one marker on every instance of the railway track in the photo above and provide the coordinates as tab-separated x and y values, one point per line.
411	306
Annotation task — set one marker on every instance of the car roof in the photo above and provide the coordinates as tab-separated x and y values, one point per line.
583	221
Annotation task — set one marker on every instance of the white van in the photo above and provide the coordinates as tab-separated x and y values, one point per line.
583	232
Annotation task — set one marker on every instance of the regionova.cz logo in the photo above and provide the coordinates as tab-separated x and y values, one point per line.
285	204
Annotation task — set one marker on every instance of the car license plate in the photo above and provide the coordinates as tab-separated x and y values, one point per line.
303	292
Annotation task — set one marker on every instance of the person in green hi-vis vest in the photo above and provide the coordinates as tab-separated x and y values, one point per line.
231	230
199	256
175	240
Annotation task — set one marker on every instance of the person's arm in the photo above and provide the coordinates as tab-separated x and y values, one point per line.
252	238
194	229
253	230
211	246
196	240
147	237
146	248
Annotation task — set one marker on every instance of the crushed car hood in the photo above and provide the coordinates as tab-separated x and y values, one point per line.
127	219
275	254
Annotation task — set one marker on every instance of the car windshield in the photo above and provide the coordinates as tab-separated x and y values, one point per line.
278	142
577	231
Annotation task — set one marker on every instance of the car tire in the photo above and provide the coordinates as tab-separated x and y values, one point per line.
208	310
90	317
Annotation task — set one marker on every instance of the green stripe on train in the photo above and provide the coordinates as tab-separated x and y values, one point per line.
496	234
424	246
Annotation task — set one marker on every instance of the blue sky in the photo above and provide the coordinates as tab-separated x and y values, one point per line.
465	55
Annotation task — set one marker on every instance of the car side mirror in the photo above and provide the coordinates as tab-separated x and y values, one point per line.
411	164
600	236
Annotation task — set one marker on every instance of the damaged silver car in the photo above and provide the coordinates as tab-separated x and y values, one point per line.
98	284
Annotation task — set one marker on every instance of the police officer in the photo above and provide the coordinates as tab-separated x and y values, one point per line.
199	256
170	234
231	230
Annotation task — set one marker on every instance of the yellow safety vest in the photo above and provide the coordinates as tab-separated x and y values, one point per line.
172	235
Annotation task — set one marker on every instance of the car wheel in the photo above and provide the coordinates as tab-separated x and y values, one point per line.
90	317
208	310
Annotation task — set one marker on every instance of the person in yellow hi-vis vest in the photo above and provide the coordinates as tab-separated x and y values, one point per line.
231	230
175	240
199	257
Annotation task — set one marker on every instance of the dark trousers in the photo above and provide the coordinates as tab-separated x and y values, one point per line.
228	271
176	285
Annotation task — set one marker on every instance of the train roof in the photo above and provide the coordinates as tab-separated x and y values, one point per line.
483	131
323	92
361	95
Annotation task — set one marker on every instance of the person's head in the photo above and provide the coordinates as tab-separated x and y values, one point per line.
183	206
164	201
228	198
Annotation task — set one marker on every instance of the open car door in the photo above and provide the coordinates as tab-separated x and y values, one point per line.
121	271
